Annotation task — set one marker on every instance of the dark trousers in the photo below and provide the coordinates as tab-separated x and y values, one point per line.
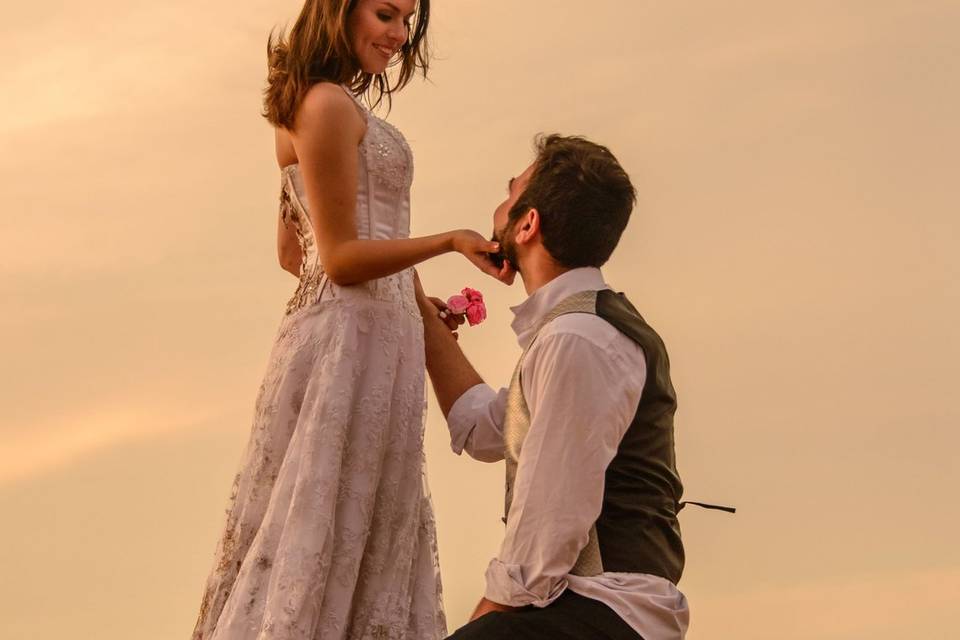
569	617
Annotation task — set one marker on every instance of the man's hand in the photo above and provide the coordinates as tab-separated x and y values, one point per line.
431	307
452	320
489	606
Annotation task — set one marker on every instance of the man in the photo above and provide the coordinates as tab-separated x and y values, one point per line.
592	546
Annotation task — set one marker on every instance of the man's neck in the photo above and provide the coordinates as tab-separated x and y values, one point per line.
539	273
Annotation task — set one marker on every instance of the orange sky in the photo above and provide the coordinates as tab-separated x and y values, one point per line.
794	243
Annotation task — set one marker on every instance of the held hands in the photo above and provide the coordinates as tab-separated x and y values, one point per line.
433	309
452	320
477	250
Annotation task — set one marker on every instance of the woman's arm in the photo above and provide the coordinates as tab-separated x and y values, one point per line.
326	137
288	247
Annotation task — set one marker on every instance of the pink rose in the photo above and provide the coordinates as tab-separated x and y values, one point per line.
458	304
472	294
476	312
469	303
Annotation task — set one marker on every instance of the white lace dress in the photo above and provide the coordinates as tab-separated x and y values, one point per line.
330	529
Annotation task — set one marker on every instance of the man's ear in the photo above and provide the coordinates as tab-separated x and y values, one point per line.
528	226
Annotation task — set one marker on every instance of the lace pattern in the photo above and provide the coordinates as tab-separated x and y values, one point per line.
293	212
388	155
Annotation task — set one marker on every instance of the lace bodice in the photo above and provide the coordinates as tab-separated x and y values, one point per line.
385	173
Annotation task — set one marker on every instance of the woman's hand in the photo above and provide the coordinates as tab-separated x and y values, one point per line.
477	250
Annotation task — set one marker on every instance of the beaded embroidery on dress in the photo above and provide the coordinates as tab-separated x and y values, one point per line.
330	530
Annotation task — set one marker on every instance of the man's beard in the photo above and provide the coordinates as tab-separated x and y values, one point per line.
508	250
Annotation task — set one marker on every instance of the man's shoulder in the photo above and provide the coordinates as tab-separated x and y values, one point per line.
593	329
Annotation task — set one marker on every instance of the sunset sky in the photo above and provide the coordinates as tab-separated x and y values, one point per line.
795	243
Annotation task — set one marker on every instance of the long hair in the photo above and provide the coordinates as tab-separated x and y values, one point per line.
318	49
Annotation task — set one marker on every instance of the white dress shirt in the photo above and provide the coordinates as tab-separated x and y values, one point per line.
582	380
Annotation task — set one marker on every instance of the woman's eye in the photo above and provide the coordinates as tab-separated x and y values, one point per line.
384	17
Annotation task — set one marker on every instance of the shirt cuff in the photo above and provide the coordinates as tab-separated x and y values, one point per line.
463	414
506	585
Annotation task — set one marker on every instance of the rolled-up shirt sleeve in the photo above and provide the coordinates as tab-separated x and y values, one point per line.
582	395
476	423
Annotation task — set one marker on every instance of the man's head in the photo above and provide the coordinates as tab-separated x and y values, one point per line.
574	201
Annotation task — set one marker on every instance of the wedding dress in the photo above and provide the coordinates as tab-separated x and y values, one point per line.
330	530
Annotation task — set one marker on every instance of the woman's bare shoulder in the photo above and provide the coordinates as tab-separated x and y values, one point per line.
325	105
325	101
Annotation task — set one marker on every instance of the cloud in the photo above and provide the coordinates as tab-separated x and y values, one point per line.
35	449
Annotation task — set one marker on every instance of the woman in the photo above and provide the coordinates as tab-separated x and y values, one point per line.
330	532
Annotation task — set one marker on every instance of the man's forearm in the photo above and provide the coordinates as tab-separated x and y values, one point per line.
450	371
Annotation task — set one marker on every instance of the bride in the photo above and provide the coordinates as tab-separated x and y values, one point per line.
330	530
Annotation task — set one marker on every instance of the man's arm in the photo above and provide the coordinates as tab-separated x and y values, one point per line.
473	410
451	373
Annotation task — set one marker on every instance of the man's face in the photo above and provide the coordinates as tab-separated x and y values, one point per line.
508	248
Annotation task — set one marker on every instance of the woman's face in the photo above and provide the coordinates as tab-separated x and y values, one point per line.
377	29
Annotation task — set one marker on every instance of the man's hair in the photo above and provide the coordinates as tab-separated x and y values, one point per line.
583	196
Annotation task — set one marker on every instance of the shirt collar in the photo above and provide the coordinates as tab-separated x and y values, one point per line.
529	313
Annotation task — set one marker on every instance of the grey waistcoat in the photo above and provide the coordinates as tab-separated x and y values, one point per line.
637	531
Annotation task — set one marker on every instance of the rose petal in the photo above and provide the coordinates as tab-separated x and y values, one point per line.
472	294
476	313
458	304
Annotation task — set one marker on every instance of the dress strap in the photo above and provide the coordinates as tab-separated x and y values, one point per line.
356	101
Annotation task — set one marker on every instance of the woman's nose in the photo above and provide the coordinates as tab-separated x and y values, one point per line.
398	33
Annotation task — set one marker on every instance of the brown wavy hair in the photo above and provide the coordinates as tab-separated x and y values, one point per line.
318	50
